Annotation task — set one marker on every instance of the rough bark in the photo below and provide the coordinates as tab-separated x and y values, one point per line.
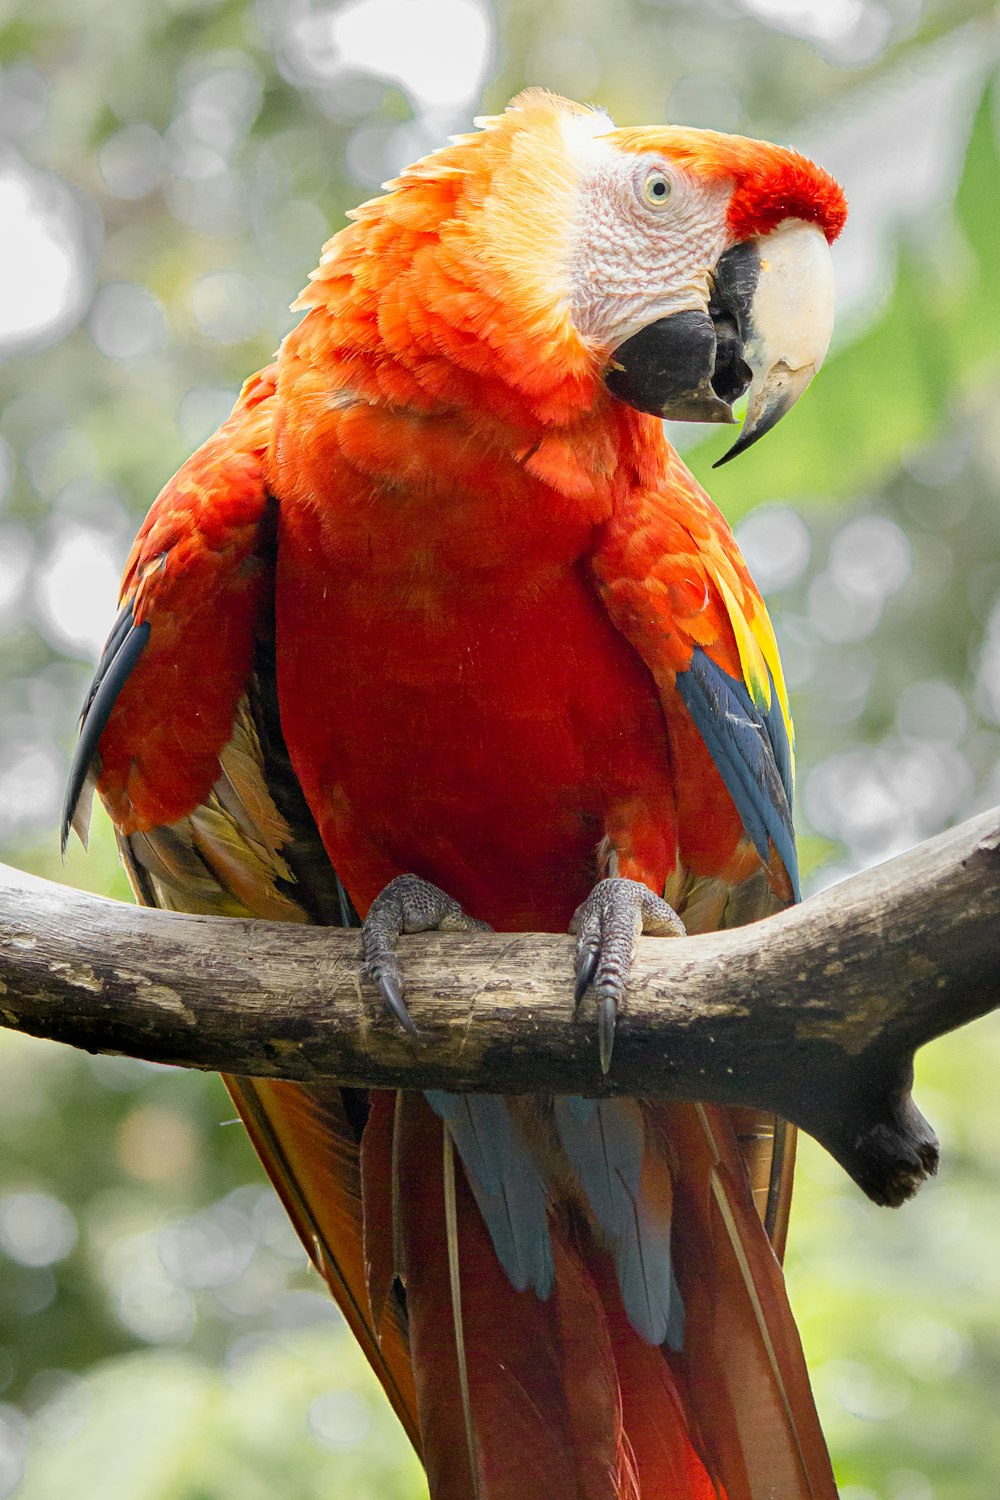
815	1013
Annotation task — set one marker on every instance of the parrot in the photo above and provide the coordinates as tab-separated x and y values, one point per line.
437	631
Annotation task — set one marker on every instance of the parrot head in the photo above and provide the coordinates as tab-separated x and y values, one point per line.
559	259
702	263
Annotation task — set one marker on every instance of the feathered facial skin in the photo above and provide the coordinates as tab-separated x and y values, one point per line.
701	263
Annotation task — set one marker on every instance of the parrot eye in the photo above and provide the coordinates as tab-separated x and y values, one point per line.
656	188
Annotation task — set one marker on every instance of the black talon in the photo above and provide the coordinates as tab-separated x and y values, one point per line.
607	1013
585	970
393	997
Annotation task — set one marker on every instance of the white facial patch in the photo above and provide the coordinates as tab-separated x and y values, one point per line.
633	260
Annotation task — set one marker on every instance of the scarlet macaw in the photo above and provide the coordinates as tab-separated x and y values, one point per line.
439	601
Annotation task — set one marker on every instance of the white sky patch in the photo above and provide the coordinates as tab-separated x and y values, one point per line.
848	31
439	51
43	270
76	589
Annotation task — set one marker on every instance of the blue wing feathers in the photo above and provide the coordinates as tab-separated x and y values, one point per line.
126	644
751	750
777	733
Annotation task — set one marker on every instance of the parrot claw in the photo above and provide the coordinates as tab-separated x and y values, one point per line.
393	997
586	968
608	925
406	904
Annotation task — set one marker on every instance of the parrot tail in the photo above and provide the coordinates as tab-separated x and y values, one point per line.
516	1393
591	1311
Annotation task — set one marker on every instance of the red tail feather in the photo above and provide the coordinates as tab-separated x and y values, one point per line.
742	1372
377	1189
565	1399
664	1455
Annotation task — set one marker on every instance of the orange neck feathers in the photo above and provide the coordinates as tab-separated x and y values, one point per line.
447	292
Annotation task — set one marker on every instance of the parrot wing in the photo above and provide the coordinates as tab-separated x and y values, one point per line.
210	817
684	598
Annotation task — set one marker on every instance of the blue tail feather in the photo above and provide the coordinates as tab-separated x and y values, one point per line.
506	1183
604	1141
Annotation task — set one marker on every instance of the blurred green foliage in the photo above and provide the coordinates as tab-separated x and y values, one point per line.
160	1335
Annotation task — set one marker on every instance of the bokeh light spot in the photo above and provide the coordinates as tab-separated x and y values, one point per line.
16	553
6	471
776	544
77	585
43	269
988	671
201	410
156	1144
208	1249
11	1452
932	711
147	1300
32	774
131	161
840	615
36	1229
439	51
928	1347
870	557
127	322
864	1392
850	32
908	1484
226	306
221	104
340	1420
24	100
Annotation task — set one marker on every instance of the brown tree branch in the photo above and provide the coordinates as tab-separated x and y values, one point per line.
815	1013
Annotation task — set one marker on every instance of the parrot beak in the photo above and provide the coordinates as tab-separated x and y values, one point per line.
765	330
785	330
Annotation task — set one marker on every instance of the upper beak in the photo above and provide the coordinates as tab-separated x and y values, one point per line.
787	327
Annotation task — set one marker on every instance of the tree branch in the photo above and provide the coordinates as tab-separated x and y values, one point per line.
815	1013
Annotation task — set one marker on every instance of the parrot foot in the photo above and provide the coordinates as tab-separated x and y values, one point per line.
407	904
607	926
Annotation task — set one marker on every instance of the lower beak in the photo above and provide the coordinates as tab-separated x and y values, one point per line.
667	369
771	395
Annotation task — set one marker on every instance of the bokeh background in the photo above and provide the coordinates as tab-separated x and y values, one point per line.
167	174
